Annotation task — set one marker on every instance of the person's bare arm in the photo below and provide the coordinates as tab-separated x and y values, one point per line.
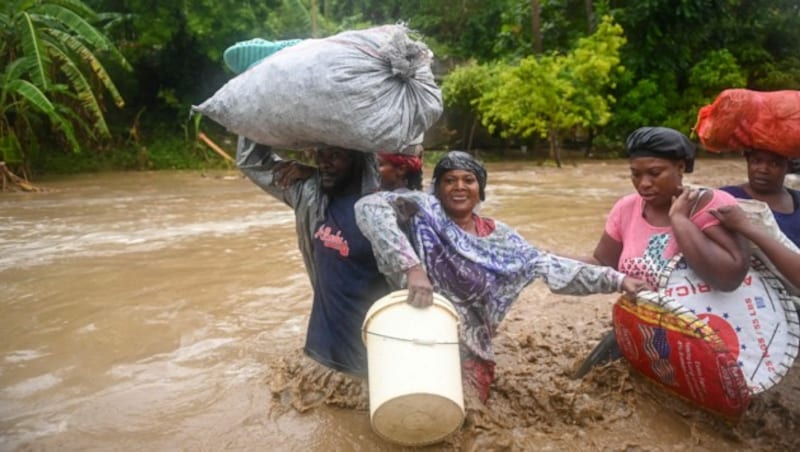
718	256
785	260
606	252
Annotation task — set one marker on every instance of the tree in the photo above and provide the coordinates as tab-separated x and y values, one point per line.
736	43
52	76
176	49
536	26
643	102
462	90
462	30
532	98
552	94
715	73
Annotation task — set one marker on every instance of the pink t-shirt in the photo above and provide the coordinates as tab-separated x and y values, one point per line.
647	248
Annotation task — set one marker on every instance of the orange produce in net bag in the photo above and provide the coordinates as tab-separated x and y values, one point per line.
741	119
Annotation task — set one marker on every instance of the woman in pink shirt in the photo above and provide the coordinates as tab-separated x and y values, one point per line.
647	228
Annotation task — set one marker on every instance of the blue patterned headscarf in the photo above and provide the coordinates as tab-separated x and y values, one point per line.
460	160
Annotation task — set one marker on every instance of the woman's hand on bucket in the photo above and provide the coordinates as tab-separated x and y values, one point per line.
420	289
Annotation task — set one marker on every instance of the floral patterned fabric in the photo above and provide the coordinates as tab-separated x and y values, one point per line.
481	276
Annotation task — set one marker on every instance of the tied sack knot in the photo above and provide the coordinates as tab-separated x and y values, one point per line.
405	56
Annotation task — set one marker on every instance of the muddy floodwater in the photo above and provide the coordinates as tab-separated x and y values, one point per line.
146	311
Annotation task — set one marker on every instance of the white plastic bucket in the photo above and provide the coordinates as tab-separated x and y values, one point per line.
415	392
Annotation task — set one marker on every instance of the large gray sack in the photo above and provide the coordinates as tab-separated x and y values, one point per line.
370	90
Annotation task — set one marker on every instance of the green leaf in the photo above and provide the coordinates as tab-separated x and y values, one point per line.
10	149
32	47
32	94
86	55
39	100
19	67
74	22
82	29
78	7
83	90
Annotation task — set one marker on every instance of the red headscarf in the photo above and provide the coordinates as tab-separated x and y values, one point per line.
412	162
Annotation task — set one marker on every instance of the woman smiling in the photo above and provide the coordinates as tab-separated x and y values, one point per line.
479	264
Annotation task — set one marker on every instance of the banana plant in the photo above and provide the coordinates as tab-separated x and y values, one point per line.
52	75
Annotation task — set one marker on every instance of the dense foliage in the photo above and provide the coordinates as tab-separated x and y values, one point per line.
554	94
52	76
549	72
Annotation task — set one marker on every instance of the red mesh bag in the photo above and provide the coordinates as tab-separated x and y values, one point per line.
741	119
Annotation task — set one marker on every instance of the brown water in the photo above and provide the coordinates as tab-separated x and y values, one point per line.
146	311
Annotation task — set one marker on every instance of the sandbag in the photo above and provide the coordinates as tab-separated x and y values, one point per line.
369	90
741	119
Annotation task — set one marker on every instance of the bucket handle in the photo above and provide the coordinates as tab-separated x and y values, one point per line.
415	341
